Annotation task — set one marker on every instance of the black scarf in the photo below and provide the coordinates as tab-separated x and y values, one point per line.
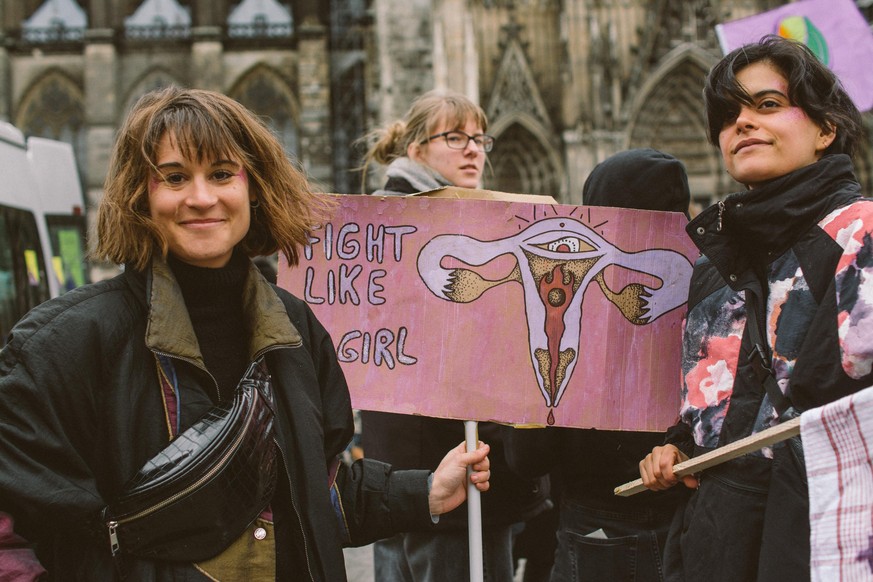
754	227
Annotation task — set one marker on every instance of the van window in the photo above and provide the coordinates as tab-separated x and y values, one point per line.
67	239
23	280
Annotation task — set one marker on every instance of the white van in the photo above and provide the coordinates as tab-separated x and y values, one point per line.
42	224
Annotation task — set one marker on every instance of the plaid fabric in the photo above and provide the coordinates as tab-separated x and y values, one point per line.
838	443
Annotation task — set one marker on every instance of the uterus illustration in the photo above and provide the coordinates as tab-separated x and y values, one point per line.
555	261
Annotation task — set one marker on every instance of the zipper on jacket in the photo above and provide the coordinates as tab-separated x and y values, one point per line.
196	365
113	537
285	465
113	525
296	511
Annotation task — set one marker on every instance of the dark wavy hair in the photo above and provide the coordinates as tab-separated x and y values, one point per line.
812	86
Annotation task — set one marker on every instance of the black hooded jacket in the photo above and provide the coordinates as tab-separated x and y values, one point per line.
81	411
644	179
803	244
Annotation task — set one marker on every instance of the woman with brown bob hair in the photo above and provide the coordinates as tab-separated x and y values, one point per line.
207	125
184	419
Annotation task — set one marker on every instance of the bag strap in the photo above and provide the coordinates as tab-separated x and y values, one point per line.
169	393
760	357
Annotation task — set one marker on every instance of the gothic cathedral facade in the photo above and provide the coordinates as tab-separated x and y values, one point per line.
565	83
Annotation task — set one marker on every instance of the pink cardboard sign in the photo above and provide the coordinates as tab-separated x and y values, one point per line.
518	313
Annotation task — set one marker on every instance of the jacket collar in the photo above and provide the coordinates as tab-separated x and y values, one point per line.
754	227
169	329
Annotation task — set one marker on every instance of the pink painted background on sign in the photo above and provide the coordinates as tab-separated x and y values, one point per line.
405	349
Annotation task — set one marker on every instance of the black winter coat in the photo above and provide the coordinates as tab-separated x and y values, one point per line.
802	243
81	410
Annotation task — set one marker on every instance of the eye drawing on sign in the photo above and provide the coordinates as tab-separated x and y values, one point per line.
556	259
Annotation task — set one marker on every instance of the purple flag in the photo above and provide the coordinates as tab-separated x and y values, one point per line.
833	29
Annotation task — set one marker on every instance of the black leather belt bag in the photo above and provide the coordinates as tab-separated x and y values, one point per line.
195	497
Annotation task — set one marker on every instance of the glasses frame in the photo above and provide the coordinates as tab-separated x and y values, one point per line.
484	148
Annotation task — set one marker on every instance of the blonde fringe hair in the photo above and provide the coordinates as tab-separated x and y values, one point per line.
426	113
206	126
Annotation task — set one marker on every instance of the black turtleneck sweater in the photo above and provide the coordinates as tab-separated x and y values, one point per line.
213	298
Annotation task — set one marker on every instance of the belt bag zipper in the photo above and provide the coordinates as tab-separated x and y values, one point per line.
112	525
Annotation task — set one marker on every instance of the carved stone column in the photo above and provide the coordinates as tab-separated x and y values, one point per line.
100	86
207	58
314	76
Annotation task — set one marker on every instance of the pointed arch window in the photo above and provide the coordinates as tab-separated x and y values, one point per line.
156	79
522	164
671	120
54	109
266	95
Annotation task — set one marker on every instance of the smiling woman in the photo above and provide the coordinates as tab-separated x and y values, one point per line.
189	415
201	207
770	136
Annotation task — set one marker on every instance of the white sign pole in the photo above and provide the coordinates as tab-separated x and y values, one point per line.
474	508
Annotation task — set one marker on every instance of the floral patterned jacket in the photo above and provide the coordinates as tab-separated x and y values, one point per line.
803	239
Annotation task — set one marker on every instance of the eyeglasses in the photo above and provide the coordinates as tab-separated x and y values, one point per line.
458	140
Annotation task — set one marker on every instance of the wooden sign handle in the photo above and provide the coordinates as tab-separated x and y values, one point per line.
772	435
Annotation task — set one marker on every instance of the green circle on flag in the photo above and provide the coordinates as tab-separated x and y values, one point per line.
801	29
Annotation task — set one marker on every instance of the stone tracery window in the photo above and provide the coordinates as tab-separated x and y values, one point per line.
672	120
521	164
266	94
156	79
54	109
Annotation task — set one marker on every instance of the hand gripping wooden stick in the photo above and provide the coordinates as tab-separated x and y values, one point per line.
772	435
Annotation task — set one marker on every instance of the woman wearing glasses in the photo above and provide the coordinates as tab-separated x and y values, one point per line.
442	142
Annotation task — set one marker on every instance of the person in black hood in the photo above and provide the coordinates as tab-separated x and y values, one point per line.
601	536
644	179
778	311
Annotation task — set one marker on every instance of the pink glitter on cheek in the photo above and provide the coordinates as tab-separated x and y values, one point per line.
796	113
242	175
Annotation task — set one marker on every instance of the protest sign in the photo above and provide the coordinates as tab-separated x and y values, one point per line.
834	30
497	310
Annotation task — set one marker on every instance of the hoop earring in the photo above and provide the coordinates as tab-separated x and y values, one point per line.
255	204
